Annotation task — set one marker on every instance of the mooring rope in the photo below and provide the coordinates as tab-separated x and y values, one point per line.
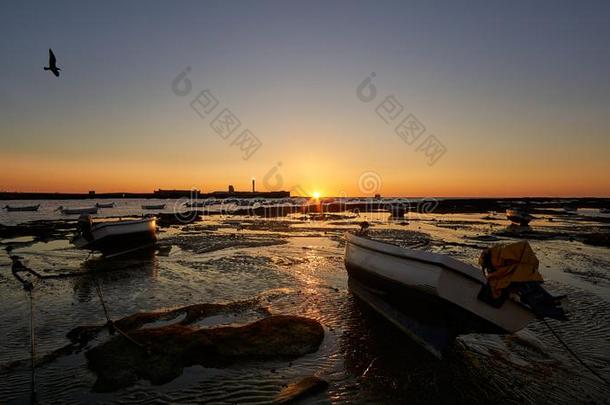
101	297
29	288
111	325
565	345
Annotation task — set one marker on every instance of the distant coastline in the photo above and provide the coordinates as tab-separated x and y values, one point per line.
159	194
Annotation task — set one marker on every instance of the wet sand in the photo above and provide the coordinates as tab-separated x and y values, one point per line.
294	266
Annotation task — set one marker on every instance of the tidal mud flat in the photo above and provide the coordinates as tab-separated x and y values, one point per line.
223	276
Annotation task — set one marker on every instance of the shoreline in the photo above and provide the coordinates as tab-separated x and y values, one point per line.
159	194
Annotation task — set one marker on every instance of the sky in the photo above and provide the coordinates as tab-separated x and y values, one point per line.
499	98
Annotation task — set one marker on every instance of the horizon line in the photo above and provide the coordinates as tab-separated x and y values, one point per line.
532	196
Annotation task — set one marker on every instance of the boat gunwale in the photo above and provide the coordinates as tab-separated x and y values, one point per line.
440	263
101	225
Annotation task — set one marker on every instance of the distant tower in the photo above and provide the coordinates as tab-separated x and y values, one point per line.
231	189
253	188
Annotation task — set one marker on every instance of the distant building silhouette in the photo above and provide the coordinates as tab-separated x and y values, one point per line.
194	193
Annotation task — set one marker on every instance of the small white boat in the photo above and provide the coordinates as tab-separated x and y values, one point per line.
77	211
153	207
105	205
115	237
12	208
437	292
519	216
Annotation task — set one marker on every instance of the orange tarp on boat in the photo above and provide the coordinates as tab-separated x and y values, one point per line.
515	262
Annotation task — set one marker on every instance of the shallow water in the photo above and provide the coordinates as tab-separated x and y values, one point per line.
296	267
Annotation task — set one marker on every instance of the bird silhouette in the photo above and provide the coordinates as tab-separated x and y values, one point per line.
52	64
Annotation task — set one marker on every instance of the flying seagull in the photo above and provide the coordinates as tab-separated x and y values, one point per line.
52	66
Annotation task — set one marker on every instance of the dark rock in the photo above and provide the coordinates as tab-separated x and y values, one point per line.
295	391
191	314
119	362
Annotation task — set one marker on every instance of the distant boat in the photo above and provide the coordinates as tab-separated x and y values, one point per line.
77	211
570	209
438	293
519	216
195	204
10	208
153	207
105	205
115	237
604	210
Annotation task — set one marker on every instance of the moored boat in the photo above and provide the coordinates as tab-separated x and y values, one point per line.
77	211
112	237
195	204
105	205
153	206
427	290
13	208
519	216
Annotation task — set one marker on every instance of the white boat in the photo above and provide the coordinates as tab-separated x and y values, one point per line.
604	210
519	216
12	208
77	211
112	237
153	207
105	205
435	290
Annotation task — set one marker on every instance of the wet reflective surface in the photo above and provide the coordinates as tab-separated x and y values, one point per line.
295	266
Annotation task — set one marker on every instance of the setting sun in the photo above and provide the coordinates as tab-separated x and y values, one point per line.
316	195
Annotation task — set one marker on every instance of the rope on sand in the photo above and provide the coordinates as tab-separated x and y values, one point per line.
111	325
565	345
32	344
28	287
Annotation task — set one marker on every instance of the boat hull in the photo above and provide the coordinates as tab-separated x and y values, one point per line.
153	207
122	236
430	287
22	209
434	337
79	211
